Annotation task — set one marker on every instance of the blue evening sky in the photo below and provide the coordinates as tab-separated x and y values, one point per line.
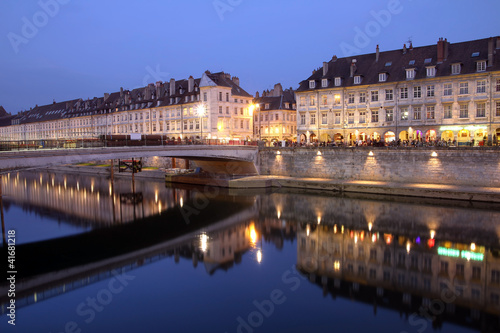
66	49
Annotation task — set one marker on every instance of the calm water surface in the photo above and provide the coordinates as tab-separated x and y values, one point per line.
98	256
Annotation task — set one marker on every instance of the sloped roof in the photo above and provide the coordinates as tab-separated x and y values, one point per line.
395	63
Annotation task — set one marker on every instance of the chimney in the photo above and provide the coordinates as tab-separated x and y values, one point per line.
121	92
190	84
445	49
377	54
158	89
498	43
411	46
353	67
325	68
278	90
334	58
490	52
53	101
440	50
236	81
404	48
257	95
106	96
172	87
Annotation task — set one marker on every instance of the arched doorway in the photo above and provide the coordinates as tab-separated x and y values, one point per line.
389	136
339	137
313	138
303	138
430	135
447	136
463	137
480	137
325	137
403	136
375	136
497	136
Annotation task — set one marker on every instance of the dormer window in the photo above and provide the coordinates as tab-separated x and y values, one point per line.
431	71
410	73
382	77
338	81
267	106
312	84
481	66
357	79
455	68
287	105
324	83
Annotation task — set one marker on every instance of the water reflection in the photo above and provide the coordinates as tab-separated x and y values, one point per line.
414	257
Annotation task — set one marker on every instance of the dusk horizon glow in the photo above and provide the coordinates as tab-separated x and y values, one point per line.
64	49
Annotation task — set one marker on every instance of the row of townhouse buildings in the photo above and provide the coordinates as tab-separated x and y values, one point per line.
444	91
447	91
213	107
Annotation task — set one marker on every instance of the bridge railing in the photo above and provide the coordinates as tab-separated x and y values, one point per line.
114	141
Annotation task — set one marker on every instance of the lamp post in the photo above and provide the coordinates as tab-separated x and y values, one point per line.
201	113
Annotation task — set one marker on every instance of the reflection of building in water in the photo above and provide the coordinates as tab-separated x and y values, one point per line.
88	199
426	266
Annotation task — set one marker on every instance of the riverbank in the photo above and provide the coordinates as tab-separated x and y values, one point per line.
423	190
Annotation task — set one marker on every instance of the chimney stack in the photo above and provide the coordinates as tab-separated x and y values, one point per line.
278	90
377	54
498	43
353	67
490	52
334	58
121	92
106	96
257	95
404	48
172	87
442	50
158	89
190	84
236	81
325	68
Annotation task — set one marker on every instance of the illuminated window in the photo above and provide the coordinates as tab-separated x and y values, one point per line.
324	99
389	114
404	113
430	110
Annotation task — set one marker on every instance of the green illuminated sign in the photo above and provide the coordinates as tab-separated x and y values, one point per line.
443	251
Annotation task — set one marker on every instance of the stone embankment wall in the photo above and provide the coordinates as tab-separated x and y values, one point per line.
453	166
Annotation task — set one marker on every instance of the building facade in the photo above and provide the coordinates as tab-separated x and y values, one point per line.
275	115
448	92
211	107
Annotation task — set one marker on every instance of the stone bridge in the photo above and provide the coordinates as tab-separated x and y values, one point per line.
210	157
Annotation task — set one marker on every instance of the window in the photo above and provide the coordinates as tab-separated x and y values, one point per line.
447	89
350	99
382	77
387	276
417	92
337	117
444	267
324	118
375	116
410	73
431	71
302	119
389	95
362	117
312	100
455	68
481	87
475	293
481	66
220	96
476	273
357	79
448	113
498	85
430	91
464	88
495	276
430	112
350	117
387	257
362	97
480	110
220	109
266	106
389	115
338	81
404	93
324	83
464	111
312	84
227	109
302	101
313	119
417	113
373	273
497	110
374	94
324	99
404	113
460	270
235	110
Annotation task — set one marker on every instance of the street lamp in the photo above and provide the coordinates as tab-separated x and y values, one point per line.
201	113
